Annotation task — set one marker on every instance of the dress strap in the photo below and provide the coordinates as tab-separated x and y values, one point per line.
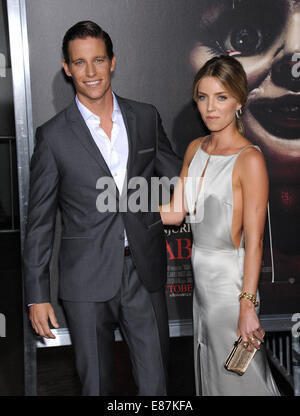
271	245
246	147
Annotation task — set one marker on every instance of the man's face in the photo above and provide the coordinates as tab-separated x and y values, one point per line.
90	68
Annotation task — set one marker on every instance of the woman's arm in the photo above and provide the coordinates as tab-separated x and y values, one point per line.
255	190
175	212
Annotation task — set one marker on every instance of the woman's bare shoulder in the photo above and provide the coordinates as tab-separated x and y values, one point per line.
250	151
252	160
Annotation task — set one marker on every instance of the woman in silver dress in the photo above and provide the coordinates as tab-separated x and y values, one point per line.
224	188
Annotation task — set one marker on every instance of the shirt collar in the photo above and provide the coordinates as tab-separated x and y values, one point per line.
88	114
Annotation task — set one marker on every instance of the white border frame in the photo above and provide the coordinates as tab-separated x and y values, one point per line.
19	51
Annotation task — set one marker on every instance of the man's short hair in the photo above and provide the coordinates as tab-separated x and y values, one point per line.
83	30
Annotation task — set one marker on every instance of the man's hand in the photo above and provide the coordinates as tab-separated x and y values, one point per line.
39	314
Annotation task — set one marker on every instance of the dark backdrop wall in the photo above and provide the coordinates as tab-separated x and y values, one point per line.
152	42
159	45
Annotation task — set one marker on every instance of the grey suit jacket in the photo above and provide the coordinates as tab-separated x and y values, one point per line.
65	167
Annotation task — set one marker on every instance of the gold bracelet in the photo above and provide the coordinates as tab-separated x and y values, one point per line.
250	297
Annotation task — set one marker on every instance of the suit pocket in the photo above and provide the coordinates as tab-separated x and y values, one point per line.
143	151
75	238
156	227
150	226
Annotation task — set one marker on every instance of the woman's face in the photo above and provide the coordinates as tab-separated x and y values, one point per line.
264	37
216	105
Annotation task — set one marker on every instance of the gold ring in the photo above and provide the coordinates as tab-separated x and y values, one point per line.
251	338
245	345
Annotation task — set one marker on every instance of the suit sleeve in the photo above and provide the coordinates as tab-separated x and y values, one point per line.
167	163
42	209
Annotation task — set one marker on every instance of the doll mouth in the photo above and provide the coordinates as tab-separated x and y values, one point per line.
279	116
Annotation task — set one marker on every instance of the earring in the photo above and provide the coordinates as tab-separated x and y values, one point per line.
238	113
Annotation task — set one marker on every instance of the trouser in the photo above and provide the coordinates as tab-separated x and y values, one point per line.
143	320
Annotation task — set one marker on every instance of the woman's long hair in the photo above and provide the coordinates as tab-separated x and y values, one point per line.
230	73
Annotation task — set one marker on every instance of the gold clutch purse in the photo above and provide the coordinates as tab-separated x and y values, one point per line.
239	358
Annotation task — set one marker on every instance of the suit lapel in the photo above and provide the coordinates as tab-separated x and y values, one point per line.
83	135
129	118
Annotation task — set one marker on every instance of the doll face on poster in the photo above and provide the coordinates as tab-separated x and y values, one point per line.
265	37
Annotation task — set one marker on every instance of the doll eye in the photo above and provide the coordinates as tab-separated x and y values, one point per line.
246	39
245	29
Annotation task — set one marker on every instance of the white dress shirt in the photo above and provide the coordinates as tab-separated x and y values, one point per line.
113	150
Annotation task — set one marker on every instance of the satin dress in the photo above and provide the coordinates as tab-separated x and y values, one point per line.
218	277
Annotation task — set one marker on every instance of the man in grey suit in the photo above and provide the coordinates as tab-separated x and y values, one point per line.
112	263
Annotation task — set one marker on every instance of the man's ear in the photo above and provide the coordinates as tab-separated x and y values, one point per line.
113	64
66	68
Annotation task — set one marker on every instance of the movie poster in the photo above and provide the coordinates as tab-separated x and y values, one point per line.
265	37
179	286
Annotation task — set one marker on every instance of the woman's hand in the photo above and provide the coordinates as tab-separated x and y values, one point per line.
249	326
